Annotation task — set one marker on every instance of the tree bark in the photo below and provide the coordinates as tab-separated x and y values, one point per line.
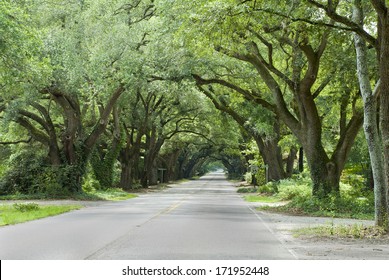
290	162
130	158
301	159
272	157
125	176
384	98
370	123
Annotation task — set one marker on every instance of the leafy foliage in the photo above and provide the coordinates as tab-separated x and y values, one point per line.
132	87
25	207
350	204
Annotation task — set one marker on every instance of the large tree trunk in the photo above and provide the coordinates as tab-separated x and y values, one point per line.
103	160
325	174
129	169
384	102
272	157
172	162
77	154
54	154
153	174
125	176
129	158
370	124
301	160
290	162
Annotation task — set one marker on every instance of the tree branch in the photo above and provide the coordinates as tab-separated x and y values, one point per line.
322	87
16	142
380	7
270	66
280	104
34	117
331	13
33	131
102	123
250	96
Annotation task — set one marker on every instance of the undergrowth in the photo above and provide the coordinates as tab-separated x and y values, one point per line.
91	195
356	231
353	202
19	213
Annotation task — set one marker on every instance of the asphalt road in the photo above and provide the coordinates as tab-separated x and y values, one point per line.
202	219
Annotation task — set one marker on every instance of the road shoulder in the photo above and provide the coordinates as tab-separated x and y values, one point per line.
324	248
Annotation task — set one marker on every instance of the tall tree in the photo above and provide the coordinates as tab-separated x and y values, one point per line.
290	79
92	68
370	121
370	24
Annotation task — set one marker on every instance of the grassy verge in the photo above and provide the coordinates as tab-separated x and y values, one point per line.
352	202
113	194
262	198
19	213
356	231
334	208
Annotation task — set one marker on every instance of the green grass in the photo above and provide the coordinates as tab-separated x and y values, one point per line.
247	190
261	198
330	207
356	231
351	203
23	212
19	213
113	194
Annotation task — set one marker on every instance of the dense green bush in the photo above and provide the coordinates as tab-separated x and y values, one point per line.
247	190
292	188
248	177
29	174
260	177
354	201
357	183
269	188
333	206
26	207
90	184
24	171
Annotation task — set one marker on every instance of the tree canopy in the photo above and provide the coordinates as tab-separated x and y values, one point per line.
136	92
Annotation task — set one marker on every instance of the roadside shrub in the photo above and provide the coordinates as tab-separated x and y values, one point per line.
90	184
50	182
247	190
293	188
356	182
333	206
23	173
29	174
269	188
26	207
351	203
248	177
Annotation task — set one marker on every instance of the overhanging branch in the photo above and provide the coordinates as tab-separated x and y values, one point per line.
16	142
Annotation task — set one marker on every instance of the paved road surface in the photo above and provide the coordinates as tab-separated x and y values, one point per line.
203	219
